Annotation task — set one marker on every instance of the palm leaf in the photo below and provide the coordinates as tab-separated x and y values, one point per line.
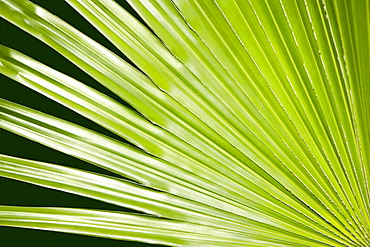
247	121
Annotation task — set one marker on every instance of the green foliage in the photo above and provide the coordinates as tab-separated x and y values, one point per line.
249	121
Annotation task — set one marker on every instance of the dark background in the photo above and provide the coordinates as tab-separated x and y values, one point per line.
22	194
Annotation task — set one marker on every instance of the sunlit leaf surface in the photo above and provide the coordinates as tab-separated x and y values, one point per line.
247	121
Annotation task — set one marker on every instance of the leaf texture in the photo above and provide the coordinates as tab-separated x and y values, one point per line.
250	120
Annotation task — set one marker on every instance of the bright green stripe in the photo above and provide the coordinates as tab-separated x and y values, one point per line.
162	31
127	123
331	113
343	10
187	47
129	227
87	145
266	98
360	28
252	177
130	195
311	66
138	5
86	58
251	45
96	116
138	44
340	103
300	72
146	51
203	26
57	140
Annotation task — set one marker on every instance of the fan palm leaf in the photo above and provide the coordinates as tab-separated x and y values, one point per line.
246	121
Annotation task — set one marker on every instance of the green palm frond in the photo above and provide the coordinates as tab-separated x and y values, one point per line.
227	123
